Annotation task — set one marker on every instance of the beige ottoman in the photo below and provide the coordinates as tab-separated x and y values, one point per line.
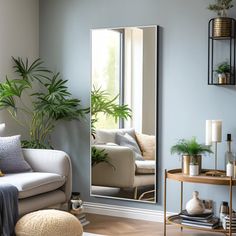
49	223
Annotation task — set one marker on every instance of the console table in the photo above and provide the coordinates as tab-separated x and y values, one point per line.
176	175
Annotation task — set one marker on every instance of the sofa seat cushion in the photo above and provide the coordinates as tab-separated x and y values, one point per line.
145	167
34	183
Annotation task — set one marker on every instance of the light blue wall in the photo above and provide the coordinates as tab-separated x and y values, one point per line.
186	100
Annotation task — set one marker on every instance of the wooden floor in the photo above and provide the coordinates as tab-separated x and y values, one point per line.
107	225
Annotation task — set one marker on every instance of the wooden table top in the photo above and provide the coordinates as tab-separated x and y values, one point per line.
203	178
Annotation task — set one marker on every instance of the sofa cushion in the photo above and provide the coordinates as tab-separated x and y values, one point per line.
145	167
147	144
33	183
11	156
127	141
104	136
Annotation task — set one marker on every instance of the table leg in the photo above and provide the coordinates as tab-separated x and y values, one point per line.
165	182
230	206
181	199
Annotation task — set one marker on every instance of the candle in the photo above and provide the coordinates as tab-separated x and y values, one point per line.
230	170
216	131
208	132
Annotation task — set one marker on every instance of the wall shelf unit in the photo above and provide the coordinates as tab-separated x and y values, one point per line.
221	49
176	175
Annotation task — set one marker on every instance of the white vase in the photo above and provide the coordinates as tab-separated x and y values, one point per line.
195	205
193	170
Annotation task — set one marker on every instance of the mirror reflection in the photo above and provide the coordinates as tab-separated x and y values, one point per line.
123	113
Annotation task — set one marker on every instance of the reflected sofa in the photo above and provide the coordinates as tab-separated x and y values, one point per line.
50	183
127	172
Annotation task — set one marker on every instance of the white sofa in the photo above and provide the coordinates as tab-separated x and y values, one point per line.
50	183
128	172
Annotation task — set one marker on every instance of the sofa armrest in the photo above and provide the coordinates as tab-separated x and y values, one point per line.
123	173
51	161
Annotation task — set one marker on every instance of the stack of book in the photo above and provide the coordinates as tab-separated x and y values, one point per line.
226	224
206	220
80	216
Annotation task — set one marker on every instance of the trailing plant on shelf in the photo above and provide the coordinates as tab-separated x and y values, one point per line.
223	68
223	71
36	100
221	7
102	102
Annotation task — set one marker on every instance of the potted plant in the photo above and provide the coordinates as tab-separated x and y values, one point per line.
222	25
223	72
37	99
191	152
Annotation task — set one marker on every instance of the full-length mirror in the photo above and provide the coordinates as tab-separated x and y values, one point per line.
124	113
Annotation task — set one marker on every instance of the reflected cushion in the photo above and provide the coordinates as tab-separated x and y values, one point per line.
147	144
11	156
128	141
104	136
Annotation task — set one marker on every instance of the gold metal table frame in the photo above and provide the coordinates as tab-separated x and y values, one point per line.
176	175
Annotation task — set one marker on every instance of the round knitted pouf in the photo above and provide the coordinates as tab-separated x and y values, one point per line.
49	223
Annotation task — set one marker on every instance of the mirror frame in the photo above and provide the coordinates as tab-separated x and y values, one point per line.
157	97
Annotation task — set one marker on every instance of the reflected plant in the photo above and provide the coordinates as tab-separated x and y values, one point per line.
36	100
101	102
99	156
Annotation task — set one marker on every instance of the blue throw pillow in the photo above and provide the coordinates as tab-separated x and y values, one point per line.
128	141
11	156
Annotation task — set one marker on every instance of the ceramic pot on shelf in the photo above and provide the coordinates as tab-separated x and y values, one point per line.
222	27
193	169
195	205
224	78
187	160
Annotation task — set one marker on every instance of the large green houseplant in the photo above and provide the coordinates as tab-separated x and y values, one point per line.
36	99
191	152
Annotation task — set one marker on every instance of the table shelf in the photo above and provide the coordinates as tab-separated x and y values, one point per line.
177	220
177	175
203	178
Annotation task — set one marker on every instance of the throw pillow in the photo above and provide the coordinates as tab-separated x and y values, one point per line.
104	136
11	156
128	141
147	144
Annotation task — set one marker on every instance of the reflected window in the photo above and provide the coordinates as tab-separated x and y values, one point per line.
107	69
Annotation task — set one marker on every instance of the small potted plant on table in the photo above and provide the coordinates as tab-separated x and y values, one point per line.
191	152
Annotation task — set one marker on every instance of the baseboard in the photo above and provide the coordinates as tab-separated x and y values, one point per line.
126	212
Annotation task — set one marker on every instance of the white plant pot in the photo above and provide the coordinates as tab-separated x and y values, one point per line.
193	170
